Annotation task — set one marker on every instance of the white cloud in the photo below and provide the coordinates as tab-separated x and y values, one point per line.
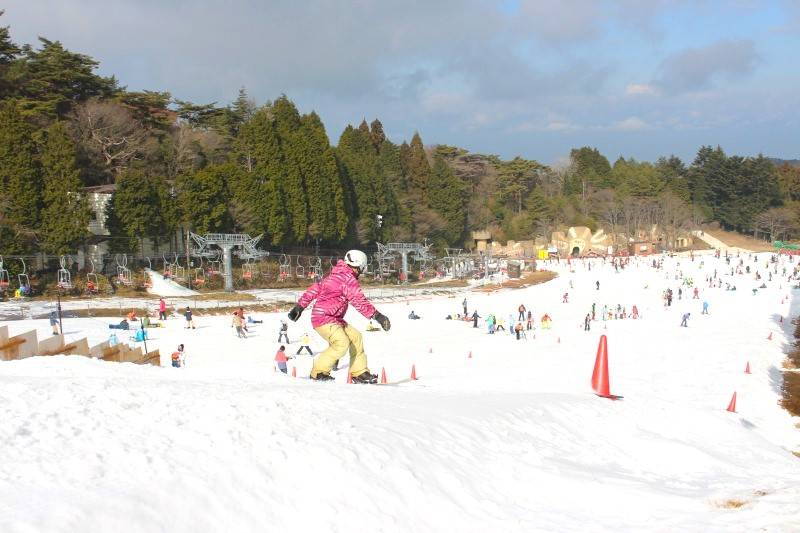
640	88
631	124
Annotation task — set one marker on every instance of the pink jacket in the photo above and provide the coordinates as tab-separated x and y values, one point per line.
333	294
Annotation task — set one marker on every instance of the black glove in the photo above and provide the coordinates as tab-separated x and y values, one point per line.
382	320
295	313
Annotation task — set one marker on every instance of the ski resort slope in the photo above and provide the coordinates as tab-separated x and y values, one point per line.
160	286
510	439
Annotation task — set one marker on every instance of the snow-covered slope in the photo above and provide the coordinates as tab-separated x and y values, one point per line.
511	439
165	287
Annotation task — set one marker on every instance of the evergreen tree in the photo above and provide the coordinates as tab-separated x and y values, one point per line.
258	197
66	213
51	80
8	53
376	134
20	181
672	172
419	171
138	211
202	199
446	196
287	124
516	179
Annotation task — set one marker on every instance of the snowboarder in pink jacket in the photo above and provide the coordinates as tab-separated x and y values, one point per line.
333	295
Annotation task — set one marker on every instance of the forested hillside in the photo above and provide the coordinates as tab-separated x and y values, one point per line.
271	168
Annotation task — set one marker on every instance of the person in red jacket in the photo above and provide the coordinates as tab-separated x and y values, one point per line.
162	309
333	296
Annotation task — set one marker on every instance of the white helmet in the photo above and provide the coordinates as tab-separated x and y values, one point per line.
356	258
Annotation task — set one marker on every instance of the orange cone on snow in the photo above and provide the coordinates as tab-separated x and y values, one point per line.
600	378
732	405
430	350
294	371
349	377
383	376
470	355
747	368
413	371
769	337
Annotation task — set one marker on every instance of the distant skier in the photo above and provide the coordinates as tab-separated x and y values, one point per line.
162	309
634	312
281	358
587	320
189	320
413	316
696	294
684	319
333	295
597	285
238	323
529	325
178	357
565	298
464	304
54	322
475	317
705	308
305	344
521	310
518	330
283	333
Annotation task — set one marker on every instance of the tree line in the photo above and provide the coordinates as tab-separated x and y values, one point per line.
271	169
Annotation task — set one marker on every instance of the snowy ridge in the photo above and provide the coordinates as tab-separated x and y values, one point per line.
511	439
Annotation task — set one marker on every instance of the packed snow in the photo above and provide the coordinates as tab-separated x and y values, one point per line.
496	434
161	286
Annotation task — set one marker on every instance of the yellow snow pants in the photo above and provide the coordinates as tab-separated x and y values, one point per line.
340	339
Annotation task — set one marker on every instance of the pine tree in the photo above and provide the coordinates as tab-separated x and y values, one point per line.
419	171
65	215
446	196
8	53
20	181
202	199
287	124
258	197
138	209
376	134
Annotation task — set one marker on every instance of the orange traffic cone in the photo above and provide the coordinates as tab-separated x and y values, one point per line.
413	371
383	375
600	382
349	377
769	337
747	368
294	371
559	340
470	355
430	350
732	405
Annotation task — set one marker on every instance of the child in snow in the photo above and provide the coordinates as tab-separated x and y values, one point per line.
530	321
684	319
546	320
238	323
705	308
162	309
565	298
413	316
283	333
178	357
54	322
189	320
333	295
521	310
281	358
500	324
371	326
305	342
518	329
587	320
251	321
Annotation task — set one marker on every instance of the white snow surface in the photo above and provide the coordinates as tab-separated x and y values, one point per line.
511	439
166	287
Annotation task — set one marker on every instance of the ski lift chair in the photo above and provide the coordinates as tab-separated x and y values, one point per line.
64	277
23	280
200	275
285	267
92	281
4	279
247	270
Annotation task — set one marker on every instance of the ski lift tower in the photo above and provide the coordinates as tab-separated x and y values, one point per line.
403	249
228	241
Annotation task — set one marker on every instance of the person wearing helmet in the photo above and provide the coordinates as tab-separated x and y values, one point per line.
333	295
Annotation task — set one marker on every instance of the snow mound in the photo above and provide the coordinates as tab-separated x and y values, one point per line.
164	287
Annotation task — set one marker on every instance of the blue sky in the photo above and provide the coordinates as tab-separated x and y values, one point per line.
637	78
